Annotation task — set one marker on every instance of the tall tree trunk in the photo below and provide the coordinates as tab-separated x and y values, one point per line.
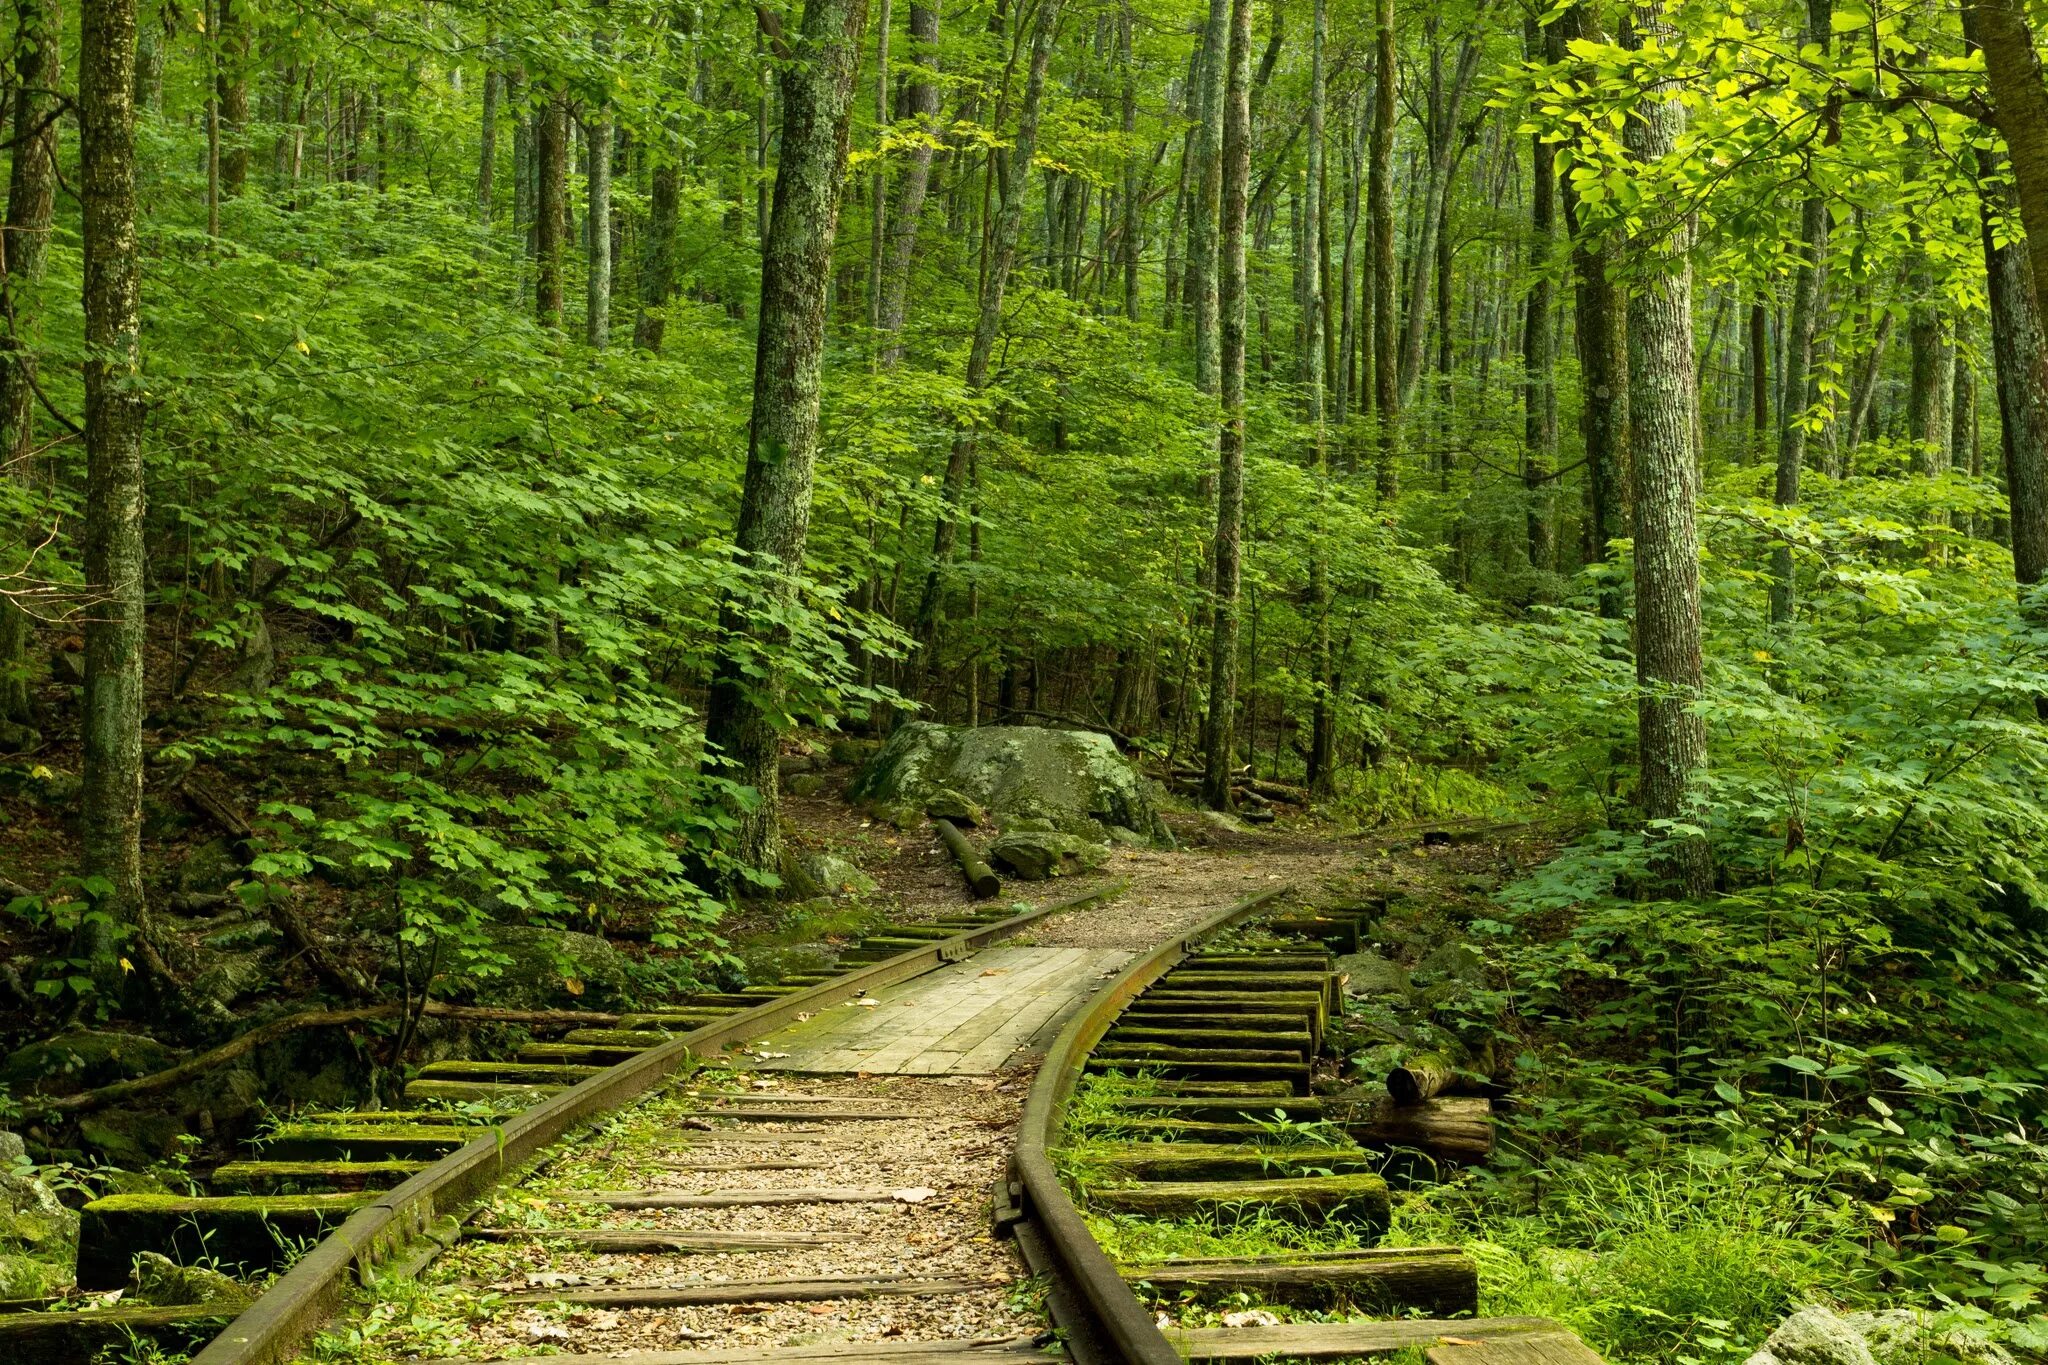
487	150
2019	348
597	305
1322	725
551	206
921	107
1600	315
1671	738
1927	424
1870	369
878	183
232	93
1218	733
1539	345
2013	69
31	196
1133	207
1014	185
1794	400
658	246
1208	197
112	716
1759	377
1379	214
742	718
1436	193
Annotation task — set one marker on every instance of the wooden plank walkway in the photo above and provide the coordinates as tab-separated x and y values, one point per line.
968	1019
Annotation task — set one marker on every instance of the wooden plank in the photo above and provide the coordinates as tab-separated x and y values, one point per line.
635	1241
719	1199
814	1290
1538	1348
807	1115
1340	1340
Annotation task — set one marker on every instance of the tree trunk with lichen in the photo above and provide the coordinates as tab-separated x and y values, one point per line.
742	719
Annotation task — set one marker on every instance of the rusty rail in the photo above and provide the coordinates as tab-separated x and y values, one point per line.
1102	1318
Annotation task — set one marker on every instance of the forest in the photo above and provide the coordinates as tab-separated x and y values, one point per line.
456	452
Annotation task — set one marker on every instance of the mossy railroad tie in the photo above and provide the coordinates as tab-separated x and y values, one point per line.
366	1142
1359	1198
111	1333
469	1092
1176	1161
512	1073
1293	1038
1440	1280
678	1019
1219	1108
584	1054
243	1234
264	1177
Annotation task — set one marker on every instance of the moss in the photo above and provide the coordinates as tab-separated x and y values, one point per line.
255	1233
1073	779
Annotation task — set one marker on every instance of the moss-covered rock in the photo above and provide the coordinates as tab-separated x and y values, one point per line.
536	968
161	1281
836	876
82	1059
25	1276
1036	857
131	1137
1073	778
947	804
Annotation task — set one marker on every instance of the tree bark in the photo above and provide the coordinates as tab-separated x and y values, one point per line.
743	716
1436	194
232	93
2013	69
1539	350
1322	750
1203	214
1794	400
921	107
1927	423
597	309
1379	213
1218	733
658	247
1600	314
114	569
2020	351
31	196
487	150
551	148
1671	739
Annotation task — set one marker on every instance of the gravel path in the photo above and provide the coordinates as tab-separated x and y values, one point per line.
942	1166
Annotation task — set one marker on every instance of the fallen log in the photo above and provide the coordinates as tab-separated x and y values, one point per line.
1457	1130
1421	1076
981	879
1360	1198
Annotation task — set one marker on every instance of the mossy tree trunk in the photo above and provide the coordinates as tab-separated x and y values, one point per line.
782	438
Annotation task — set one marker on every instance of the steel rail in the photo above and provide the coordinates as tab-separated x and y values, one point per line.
273	1329
1101	1316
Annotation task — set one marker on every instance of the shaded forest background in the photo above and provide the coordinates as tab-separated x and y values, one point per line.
448	364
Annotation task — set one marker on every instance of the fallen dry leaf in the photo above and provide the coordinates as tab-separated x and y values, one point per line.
1251	1317
915	1194
867	1002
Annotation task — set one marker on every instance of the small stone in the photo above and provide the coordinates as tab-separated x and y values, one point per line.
803	784
68	667
1369	974
837	876
1036	856
12	1148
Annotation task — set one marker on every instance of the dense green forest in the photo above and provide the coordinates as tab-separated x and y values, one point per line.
467	444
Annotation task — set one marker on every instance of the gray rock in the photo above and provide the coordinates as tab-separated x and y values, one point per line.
804	784
1073	778
32	1277
12	1148
851	753
1814	1336
1371	974
837	876
16	738
1225	821
789	765
83	1058
161	1281
1036	856
947	804
539	965
209	867
1908	1336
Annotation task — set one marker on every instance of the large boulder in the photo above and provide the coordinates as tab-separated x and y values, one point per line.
1074	779
81	1059
1814	1336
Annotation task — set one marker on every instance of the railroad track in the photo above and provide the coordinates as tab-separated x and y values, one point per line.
683	1193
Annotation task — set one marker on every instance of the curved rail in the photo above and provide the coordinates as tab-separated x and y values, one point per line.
1102	1317
273	1329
